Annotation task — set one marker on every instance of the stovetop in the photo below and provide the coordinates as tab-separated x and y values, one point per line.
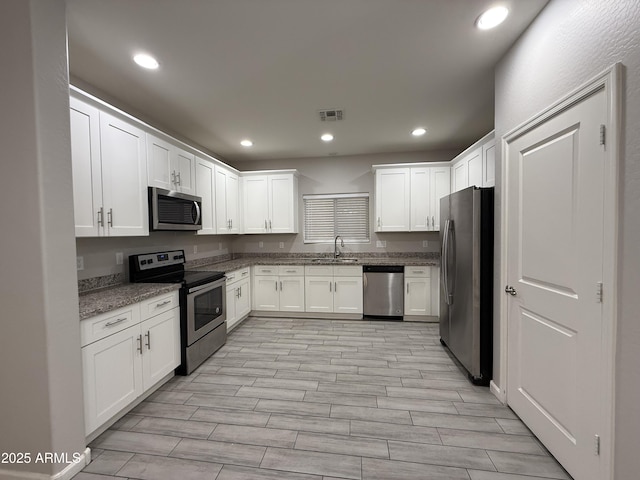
167	267
186	277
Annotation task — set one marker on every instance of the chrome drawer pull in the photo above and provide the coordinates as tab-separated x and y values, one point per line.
115	322
148	335
163	303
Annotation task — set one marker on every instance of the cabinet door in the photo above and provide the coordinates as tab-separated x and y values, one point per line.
222	220
266	295
243	301
160	172
392	200
435	291
420	199
232	296
233	202
282	202
124	177
318	294
459	176
112	376
161	346
489	164
474	167
204	189
347	295
256	208
440	187
87	169
184	166
417	296
291	294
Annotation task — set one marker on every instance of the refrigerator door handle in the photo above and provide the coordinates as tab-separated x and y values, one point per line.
448	232
444	261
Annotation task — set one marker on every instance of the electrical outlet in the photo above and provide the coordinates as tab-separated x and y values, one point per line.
260	244
219	245
425	243
80	263
381	243
281	244
195	249
119	258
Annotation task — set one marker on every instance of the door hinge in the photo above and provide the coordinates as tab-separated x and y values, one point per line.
597	445
599	292
602	134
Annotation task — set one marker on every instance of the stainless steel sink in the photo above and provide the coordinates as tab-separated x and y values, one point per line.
334	260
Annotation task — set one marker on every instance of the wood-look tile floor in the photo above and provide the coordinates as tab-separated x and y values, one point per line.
298	399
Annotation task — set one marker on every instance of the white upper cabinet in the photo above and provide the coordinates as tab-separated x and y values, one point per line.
109	173
270	203
227	192
407	198
205	189
170	167
392	192
475	166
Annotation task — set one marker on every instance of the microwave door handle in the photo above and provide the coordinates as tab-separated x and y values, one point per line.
197	212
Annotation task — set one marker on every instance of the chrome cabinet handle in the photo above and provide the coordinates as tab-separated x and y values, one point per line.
237	293
178	179
407	289
270	228
433	221
265	224
166	302
173	177
427	222
101	217
378	221
335	286
510	290
280	286
148	343
329	286
276	285
245	273
140	344
115	322
110	217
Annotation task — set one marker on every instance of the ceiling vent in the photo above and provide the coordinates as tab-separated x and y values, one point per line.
331	115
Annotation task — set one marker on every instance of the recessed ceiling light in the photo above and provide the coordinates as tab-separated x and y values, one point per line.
327	137
492	18
146	61
246	143
419	132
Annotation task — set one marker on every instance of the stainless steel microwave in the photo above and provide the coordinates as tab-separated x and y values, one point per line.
171	210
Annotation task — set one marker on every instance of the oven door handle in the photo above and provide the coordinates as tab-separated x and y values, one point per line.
207	286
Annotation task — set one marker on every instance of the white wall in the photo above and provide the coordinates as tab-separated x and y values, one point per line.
570	42
41	407
340	174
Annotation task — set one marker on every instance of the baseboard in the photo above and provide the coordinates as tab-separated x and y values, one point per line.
497	392
309	315
67	473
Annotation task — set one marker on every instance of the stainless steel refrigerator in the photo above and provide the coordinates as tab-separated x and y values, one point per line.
466	279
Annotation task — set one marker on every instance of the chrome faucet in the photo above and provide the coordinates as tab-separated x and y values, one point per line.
336	252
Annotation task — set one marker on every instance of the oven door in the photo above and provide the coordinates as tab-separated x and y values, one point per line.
206	309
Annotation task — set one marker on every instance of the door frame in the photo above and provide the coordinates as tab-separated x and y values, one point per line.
610	79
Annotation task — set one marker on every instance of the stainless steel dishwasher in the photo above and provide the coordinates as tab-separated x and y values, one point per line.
383	290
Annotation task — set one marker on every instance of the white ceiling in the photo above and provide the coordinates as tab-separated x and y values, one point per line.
260	69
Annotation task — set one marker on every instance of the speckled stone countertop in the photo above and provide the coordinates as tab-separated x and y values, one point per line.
104	300
231	265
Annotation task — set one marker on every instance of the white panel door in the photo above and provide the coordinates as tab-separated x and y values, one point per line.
392	200
292	294
474	168
184	164
112	376
243	301
256	207
205	190
222	219
555	261
266	295
420	199
459	176
281	204
161	346
87	169
124	177
347	295
318	294
233	202
231	299
489	164
417	296
160	173
440	187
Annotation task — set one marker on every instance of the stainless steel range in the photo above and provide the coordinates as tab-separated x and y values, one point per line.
203	326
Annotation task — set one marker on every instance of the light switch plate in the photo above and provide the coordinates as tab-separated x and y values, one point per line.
281	244
425	243
381	243
80	263
260	244
119	258
195	249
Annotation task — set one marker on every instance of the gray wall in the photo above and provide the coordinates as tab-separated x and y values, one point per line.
41	407
340	174
570	42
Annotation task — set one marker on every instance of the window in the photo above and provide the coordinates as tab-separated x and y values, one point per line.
326	216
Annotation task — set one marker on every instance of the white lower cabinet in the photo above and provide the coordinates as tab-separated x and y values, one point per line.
278	288
333	289
417	291
238	296
124	353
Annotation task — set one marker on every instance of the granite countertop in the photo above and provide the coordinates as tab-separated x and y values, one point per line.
104	300
231	265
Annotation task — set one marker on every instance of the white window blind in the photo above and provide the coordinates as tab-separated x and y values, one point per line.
326	216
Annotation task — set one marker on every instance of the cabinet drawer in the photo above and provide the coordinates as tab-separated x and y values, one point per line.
319	270
416	271
101	326
237	275
266	270
159	304
347	271
290	271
